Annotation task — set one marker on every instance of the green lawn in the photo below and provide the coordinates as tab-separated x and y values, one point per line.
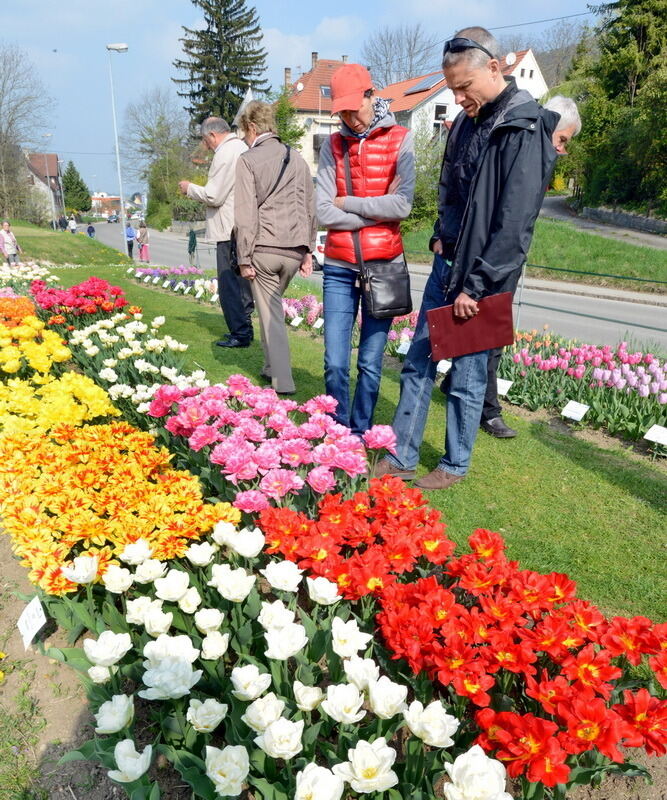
64	248
560	244
563	504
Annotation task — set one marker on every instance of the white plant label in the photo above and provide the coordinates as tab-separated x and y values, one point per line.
137	274
296	322
147	278
574	410
443	366
403	347
657	434
199	293
31	621
504	386
318	323
165	284
187	289
130	269
214	298
156	279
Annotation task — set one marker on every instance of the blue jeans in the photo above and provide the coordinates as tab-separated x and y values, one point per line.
342	296
464	399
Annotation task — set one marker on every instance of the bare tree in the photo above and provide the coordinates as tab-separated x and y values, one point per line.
405	51
23	106
513	42
556	48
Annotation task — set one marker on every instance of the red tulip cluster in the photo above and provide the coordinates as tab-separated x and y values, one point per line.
363	544
90	297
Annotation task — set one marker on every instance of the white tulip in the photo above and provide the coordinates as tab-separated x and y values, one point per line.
205	717
156	621
170	647
263	711
347	639
282	643
433	725
386	697
169	679
318	783
227	768
131	764
344	703
214	645
233	584
200	555
307	697
370	767
222	533
117	579
281	739
283	575
107	374
275	615
108	649
475	776
248	682
190	601
361	671
248	542
323	591
150	570
208	620
136	553
158	322
115	714
173	586
83	569
101	674
138	608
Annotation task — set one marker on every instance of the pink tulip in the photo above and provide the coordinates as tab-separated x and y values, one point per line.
279	482
351	463
203	436
251	501
321	480
380	437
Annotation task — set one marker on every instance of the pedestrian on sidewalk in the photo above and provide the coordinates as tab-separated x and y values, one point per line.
496	167
383	182
192	247
90	230
275	228
218	196
143	238
72	224
130	236
9	247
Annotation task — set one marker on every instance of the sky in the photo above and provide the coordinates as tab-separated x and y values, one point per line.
66	43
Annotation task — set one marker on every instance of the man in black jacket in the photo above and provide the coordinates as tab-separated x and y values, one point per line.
497	164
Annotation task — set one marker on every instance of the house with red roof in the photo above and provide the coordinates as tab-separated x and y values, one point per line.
428	99
45	175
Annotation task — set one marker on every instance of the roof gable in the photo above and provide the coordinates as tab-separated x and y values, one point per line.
310	97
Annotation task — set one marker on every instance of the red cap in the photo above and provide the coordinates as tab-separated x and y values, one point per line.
348	84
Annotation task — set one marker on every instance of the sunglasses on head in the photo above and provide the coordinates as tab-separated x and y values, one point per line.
459	43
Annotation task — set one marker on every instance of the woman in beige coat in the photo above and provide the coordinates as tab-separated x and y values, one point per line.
276	227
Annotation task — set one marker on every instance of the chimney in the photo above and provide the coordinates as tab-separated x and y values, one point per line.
288	77
344	59
313	56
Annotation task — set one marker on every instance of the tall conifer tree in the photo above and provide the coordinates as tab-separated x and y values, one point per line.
221	60
77	194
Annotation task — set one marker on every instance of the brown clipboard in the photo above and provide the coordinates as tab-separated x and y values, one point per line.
491	327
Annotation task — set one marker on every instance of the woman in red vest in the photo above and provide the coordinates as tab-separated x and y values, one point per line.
382	168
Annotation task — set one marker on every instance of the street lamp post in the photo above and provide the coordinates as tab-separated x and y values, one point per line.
117	48
48	184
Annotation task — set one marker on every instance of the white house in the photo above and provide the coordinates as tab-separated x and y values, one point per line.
427	98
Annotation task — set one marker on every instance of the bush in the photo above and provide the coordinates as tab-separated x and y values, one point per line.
159	216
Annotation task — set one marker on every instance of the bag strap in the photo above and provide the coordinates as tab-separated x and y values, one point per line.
286	159
356	239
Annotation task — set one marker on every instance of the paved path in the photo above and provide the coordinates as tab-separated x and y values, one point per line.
556	207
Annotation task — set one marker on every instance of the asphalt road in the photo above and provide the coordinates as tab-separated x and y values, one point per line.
567	309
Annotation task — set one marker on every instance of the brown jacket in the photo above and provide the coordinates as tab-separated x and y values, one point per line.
286	218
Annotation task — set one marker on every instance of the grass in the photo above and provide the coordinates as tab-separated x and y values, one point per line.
64	248
563	504
562	245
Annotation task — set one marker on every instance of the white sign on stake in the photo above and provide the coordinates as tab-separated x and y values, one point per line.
214	298
147	278
443	366
130	269
187	289
504	386
199	293
574	410
31	621
137	274
657	434
403	347
165	284
318	323
156	279
296	322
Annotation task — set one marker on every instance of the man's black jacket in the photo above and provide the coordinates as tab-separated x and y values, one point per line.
505	198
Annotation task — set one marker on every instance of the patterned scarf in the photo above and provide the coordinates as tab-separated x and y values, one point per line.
380	110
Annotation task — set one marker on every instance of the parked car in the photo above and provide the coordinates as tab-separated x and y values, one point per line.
319	250
113	218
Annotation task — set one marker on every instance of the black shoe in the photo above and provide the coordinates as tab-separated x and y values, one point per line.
496	427
234	342
223	342
286	394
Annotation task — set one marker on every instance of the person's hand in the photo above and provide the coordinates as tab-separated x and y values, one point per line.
338	202
306	267
183	186
247	271
465	307
437	247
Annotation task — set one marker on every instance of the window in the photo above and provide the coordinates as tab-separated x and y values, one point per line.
325	91
532	72
440	112
523	72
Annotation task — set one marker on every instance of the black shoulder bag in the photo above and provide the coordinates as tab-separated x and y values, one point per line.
385	284
234	262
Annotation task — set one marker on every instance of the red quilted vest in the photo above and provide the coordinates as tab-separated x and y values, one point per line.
373	166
